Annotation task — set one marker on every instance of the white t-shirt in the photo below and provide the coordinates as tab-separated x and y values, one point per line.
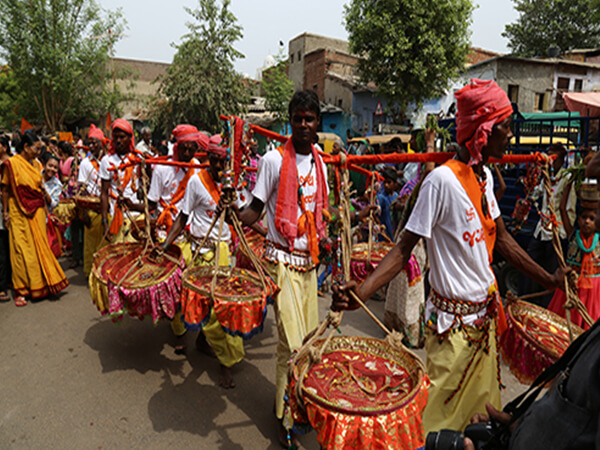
164	184
115	178
267	189
459	261
89	177
200	207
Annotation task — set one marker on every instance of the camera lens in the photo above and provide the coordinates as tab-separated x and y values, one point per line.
445	440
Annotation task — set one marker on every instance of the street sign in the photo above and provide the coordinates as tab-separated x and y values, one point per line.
379	109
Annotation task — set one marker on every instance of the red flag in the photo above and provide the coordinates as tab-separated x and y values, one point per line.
25	125
108	124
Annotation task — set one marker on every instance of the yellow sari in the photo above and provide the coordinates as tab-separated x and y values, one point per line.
35	271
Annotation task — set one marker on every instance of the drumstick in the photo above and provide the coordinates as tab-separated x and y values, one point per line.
369	312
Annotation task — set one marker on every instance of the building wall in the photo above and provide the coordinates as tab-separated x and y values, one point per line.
304	44
314	73
364	120
338	94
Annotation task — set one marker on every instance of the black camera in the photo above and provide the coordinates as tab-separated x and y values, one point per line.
485	436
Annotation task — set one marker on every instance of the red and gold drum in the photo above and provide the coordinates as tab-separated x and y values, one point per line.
239	299
364	393
88	202
534	340
361	266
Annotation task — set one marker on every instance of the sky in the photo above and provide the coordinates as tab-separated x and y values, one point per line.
154	25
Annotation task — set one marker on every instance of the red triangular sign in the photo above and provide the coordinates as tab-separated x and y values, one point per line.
379	109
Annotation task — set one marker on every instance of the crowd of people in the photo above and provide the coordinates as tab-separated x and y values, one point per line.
444	221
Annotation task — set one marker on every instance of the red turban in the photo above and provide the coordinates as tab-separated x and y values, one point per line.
123	125
214	146
188	133
96	133
481	105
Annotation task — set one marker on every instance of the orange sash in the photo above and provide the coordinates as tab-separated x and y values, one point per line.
214	191
170	210
117	221
468	181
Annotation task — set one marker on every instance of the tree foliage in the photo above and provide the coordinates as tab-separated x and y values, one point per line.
201	82
278	89
410	49
58	51
566	24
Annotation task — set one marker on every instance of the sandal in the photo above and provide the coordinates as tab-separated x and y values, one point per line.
20	300
4	297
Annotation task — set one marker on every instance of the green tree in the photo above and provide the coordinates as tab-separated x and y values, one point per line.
58	51
10	97
565	24
410	49
201	82
277	88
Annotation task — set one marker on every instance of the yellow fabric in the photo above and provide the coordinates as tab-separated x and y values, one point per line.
177	325
35	271
228	349
297	314
92	239
446	363
98	293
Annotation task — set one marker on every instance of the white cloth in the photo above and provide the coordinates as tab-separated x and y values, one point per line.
267	189
143	147
89	177
558	188
199	205
459	261
164	184
115	178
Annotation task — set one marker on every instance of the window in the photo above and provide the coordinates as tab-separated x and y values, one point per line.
292	58
299	56
513	93
315	87
340	103
563	84
578	86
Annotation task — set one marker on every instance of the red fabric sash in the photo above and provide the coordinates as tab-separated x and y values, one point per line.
286	214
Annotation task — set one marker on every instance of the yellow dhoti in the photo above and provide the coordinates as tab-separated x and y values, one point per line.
228	349
297	314
446	363
92	239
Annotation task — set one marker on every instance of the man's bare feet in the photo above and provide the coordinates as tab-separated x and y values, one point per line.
180	347
203	346
286	441
225	378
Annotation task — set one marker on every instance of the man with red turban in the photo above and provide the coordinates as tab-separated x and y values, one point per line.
198	208
457	215
120	184
89	181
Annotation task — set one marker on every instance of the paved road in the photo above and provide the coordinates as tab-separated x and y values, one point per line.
71	379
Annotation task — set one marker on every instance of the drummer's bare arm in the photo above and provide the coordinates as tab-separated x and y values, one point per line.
176	230
104	203
259	228
251	213
514	254
389	267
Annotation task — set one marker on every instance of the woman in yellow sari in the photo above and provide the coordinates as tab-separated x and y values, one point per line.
35	271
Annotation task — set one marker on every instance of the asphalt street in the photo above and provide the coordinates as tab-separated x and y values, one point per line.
72	379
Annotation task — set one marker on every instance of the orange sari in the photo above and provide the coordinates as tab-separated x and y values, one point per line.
35	271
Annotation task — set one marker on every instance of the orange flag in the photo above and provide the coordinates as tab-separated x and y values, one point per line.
25	125
108	124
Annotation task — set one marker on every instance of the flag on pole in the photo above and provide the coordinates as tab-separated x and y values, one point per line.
25	125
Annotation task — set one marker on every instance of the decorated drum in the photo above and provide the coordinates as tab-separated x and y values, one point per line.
239	299
364	393
88	202
256	242
534	340
66	211
138	230
360	265
136	282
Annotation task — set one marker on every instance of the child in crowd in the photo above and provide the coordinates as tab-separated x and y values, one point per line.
584	257
386	198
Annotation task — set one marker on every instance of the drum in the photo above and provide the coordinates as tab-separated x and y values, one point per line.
364	393
66	211
239	299
88	202
360	267
256	242
534	340
138	231
135	282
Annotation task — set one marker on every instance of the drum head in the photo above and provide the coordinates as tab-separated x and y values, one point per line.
360	252
149	272
233	284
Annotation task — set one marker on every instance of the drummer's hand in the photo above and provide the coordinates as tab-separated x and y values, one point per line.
558	278
6	217
341	299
